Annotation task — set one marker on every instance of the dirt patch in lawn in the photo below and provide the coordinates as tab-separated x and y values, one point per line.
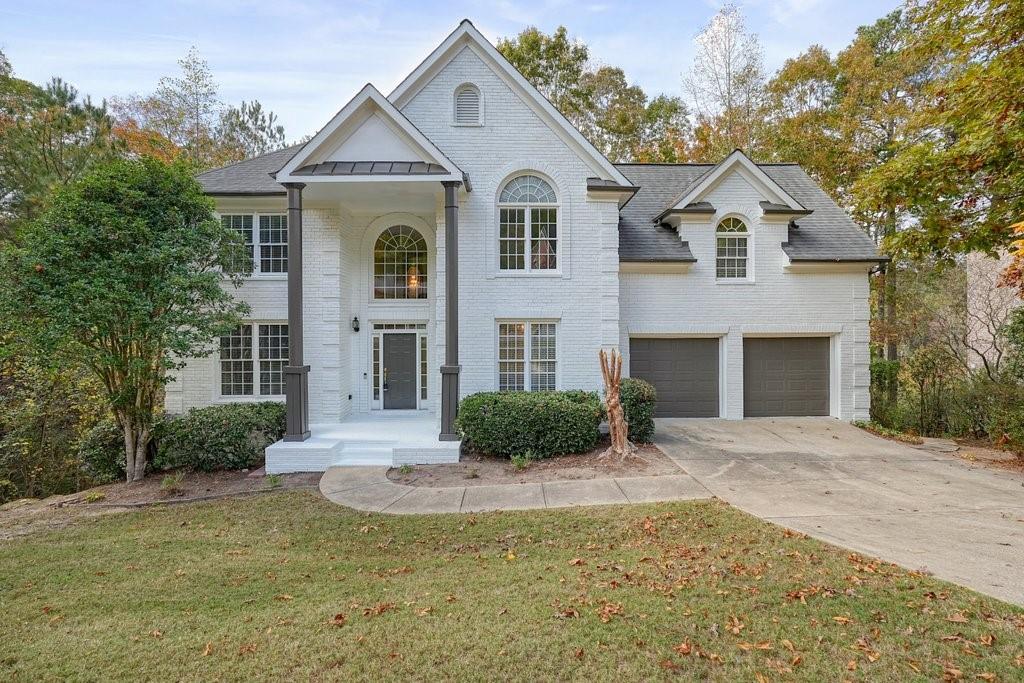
981	452
474	469
26	516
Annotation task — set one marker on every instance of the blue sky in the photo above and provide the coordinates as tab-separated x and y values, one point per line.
305	58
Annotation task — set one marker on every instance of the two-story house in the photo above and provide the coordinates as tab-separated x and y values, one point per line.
460	235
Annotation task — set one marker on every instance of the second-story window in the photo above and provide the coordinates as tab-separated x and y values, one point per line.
527	225
731	241
266	238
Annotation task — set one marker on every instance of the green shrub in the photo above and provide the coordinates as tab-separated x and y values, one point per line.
638	399
546	423
101	452
224	437
1006	420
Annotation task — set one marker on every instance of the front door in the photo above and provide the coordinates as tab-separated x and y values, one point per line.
400	371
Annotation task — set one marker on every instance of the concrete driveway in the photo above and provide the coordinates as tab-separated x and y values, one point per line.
915	507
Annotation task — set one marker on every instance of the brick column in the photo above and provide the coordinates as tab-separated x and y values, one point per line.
296	374
450	368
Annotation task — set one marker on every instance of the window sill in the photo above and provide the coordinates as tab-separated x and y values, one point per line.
733	283
275	277
528	273
467	125
276	398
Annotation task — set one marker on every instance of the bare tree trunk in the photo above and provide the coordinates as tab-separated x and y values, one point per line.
611	372
136	444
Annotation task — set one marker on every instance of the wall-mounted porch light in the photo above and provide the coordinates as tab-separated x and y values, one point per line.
355	324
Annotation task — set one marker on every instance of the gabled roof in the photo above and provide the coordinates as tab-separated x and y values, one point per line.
826	235
706	181
368	104
467	35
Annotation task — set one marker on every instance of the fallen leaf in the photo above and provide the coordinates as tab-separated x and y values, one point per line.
156	633
378	609
851	665
734	626
987	676
788	644
284	597
684	648
576	562
208	650
957	618
339	619
248	648
424	612
609	610
988	640
842	620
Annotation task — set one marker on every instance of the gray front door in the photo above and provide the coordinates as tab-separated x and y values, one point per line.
785	376
684	372
400	371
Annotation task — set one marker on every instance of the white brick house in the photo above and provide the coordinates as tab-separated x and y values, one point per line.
737	289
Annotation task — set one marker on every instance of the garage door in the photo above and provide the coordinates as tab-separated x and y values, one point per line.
684	372
785	376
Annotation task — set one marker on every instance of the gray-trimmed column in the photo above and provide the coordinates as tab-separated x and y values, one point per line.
450	368
296	373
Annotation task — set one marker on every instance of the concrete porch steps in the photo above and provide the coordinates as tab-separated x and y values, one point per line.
377	439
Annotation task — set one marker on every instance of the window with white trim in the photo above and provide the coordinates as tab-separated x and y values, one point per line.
266	239
527	225
527	356
731	242
467	105
243	373
400	264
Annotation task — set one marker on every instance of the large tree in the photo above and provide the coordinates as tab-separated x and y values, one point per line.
186	116
48	137
123	274
959	175
726	87
617	117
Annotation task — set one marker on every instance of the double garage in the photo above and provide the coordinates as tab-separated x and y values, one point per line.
782	376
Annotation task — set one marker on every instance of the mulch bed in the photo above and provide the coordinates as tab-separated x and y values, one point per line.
475	469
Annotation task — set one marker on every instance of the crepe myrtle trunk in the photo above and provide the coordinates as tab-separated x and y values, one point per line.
136	445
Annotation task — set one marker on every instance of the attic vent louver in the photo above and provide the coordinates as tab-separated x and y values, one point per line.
467	105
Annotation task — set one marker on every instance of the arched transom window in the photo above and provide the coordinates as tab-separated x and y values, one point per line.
528	225
400	264
731	249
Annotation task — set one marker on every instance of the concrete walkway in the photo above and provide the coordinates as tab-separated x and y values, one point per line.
917	507
369	489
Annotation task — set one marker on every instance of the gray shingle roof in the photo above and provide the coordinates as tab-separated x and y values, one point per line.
828	234
249	177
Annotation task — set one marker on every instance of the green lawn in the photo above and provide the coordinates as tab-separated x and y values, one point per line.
289	586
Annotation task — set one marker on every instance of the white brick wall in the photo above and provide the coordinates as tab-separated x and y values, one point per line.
584	296
776	303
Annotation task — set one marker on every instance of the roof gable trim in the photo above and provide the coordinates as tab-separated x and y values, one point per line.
467	35
366	103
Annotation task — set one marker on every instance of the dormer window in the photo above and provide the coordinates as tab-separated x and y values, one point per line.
731	249
467	106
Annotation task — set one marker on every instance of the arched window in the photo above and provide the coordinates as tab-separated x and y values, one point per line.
731	240
527	224
467	105
400	264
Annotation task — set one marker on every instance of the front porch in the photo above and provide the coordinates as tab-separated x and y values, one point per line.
387	438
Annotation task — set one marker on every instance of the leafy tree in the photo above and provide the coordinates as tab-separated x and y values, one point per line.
960	174
248	130
48	137
122	273
726	85
186	116
555	65
618	118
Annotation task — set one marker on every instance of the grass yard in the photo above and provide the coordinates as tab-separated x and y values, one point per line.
288	586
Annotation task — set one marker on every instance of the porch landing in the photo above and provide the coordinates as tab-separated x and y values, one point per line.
388	438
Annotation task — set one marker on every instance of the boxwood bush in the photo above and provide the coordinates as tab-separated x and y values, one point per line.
545	423
223	437
638	399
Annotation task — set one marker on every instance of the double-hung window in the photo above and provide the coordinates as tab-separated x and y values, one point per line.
732	241
527	356
266	240
252	360
527	225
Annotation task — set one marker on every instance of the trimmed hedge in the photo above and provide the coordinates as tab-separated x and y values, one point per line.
223	437
638	398
544	423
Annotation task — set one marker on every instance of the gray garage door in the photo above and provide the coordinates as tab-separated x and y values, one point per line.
785	376
684	371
